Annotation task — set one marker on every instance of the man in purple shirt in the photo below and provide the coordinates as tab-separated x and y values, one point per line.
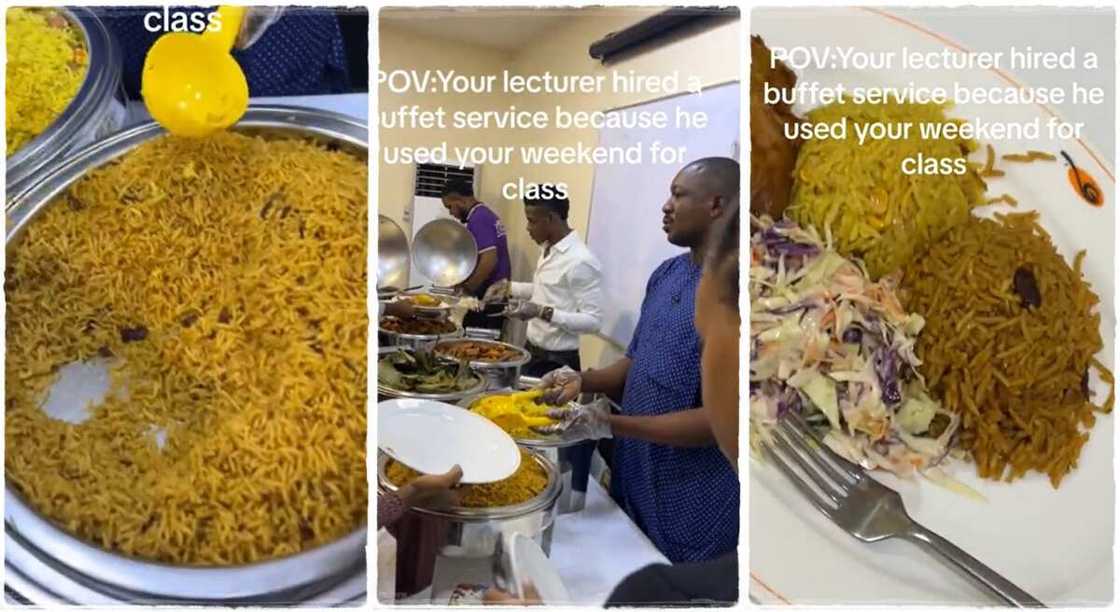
493	253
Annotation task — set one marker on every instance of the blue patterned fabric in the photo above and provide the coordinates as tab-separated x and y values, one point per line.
301	54
685	499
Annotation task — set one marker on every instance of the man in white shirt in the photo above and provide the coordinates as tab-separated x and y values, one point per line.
565	298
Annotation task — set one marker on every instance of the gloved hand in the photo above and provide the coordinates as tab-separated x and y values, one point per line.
526	311
583	422
560	386
257	19
498	292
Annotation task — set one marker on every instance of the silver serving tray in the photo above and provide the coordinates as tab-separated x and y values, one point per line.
41	543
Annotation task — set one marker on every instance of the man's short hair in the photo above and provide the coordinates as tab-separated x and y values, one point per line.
555	204
458	187
721	174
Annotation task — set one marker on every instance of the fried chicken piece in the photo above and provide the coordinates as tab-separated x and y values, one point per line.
772	154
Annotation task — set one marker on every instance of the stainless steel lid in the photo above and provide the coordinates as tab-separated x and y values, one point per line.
444	252
392	255
41	544
101	83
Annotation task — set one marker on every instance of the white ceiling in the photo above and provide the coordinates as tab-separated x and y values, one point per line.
500	29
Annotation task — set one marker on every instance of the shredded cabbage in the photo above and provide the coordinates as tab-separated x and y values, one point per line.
838	348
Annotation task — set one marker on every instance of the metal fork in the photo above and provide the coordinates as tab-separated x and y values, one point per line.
866	509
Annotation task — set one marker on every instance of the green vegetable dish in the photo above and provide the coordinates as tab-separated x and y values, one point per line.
421	372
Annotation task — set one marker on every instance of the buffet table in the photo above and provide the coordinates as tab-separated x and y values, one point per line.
593	550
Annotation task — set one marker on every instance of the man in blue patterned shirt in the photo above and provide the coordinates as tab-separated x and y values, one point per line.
667	473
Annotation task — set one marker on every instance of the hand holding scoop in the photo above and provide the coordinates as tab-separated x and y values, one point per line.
191	84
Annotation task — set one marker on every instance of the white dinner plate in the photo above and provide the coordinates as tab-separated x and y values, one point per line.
1054	543
440	309
530	565
431	437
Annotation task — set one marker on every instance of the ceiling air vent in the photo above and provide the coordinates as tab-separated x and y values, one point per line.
430	178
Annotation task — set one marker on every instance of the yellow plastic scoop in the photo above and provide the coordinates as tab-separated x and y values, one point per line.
191	84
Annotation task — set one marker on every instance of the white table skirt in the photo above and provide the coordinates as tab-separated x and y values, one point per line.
596	548
593	550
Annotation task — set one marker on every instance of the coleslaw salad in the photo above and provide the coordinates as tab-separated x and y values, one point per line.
839	349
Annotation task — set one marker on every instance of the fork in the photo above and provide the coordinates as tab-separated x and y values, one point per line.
866	509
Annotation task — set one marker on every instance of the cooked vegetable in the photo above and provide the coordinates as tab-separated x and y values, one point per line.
420	373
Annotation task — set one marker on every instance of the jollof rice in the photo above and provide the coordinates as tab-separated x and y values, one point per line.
224	281
859	193
46	64
1011	333
526	483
